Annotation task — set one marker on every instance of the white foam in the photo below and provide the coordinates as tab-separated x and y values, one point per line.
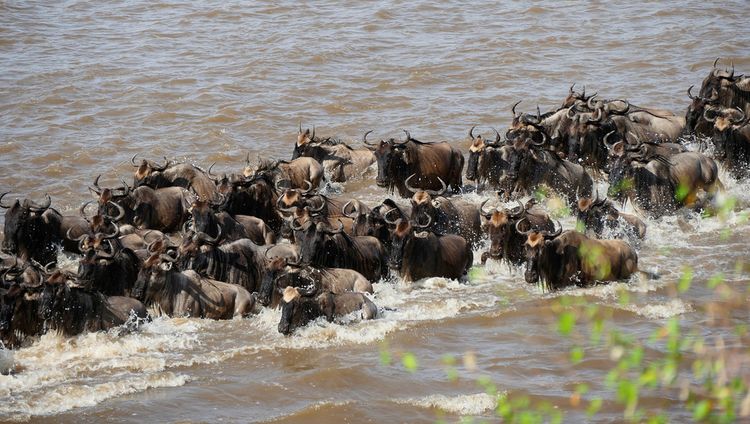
475	404
661	310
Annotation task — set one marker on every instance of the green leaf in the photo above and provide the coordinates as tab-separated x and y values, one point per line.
685	280
410	362
566	322
576	355
385	355
701	410
594	406
715	280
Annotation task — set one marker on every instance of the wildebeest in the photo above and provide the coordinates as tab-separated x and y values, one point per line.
596	215
240	262
35	231
561	259
185	293
256	196
164	209
506	229
19	314
722	89
340	161
174	175
430	162
532	166
731	137
206	220
297	309
105	265
375	222
487	161
285	273
423	254
322	247
295	174
72	310
446	216
660	185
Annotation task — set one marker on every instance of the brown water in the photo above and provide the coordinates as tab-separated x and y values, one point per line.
85	85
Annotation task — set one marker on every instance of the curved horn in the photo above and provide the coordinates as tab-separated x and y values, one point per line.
498	139
113	234
569	114
438	192
1	201
320	208
598	118
690	95
737	121
120	212
390	221
47	203
132	160
706	117
346	205
82	210
482	212
212	240
209	171
716	61
167	258
408	137
555	233
635	137
518	230
570	90
409	187
517	211
731	74
513	108
364	139
100	254
338	230
419	225
309	187
282	208
606	143
97	189
471	132
71	238
589	104
312	137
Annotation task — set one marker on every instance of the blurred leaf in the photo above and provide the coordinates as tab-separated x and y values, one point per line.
715	280
410	362
385	354
701	410
576	355
594	406
686	280
566	322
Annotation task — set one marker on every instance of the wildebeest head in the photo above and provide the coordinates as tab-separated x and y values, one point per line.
499	224
308	145
152	276
297	198
149	173
422	200
584	132
724	119
479	147
25	224
521	158
114	204
98	251
53	295
204	216
400	236
623	161
575	97
592	213
698	106
274	268
393	158
298	307
314	237
536	252
192	248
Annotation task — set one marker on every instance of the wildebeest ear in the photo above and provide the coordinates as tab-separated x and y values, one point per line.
166	266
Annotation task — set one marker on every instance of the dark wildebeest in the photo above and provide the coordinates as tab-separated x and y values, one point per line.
298	309
430	162
376	222
731	137
283	273
506	229
114	202
487	161
295	174
185	293
718	89
322	247
660	185
564	259
255	196
19	314
163	209
447	216
105	265
330	209
35	231
596	215
73	310
174	175
532	166
416	255
206	220
240	262
340	161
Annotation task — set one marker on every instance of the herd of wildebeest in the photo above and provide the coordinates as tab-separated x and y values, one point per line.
181	241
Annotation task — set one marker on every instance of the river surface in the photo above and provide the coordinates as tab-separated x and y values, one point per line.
86	85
